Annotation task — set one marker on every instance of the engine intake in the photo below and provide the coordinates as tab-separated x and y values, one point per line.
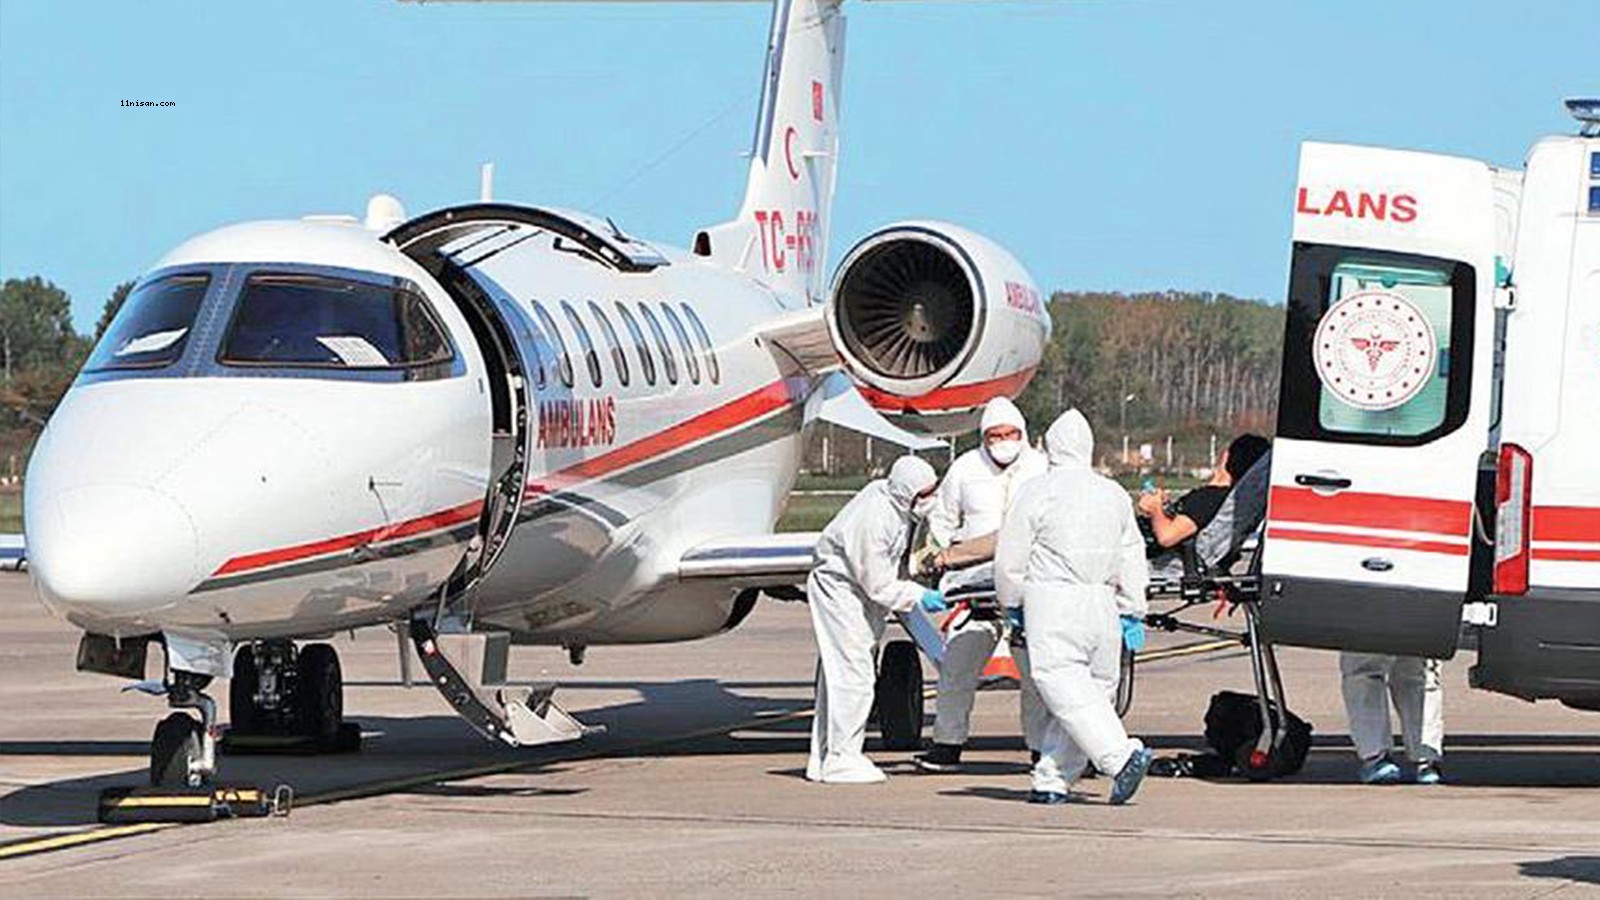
905	308
932	320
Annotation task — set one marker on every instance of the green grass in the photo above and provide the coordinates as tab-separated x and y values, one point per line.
11	512
810	513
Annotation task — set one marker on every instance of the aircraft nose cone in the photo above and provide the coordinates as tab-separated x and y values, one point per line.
111	550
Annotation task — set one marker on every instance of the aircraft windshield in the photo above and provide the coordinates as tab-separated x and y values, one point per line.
153	325
323	322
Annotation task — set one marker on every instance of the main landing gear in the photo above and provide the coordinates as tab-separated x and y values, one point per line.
281	699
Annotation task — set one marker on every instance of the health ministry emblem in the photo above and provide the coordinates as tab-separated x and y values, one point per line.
1374	350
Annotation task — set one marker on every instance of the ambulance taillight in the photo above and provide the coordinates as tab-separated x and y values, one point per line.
1513	499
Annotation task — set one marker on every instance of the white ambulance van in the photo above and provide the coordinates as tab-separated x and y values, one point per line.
1438	449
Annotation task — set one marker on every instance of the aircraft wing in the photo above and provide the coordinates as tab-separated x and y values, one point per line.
767	560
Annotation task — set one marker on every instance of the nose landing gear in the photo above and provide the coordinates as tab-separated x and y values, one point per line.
183	752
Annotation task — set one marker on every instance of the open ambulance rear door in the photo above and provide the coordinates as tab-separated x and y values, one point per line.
1385	402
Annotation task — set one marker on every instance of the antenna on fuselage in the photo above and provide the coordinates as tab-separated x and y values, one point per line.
486	183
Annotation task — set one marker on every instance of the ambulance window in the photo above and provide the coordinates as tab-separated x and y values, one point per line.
689	359
619	360
713	369
668	361
558	344
153	325
1377	348
591	358
646	362
319	321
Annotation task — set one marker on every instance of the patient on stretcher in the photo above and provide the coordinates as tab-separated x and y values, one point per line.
1207	528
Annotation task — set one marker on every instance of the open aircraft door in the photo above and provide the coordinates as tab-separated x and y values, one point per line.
1385	405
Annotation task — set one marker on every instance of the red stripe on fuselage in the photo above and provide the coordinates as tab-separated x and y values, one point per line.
1362	510
741	411
458	515
754	405
960	396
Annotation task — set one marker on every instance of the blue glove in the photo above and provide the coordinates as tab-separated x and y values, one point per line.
933	602
1014	616
1133	633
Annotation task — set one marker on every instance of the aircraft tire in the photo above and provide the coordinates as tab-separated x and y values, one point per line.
899	696
319	692
243	716
175	746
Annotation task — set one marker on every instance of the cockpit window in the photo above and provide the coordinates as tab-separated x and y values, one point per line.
324	322
153	325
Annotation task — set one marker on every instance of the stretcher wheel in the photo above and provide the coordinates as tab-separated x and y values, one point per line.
175	746
1256	765
899	696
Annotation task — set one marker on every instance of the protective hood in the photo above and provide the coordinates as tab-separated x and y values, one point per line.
1001	411
1070	442
908	477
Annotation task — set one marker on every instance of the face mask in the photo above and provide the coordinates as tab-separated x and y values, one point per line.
1005	452
922	506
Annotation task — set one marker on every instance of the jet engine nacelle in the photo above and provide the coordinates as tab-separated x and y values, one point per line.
932	321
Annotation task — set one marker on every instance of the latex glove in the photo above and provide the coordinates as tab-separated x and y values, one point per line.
1133	633
933	602
1014	616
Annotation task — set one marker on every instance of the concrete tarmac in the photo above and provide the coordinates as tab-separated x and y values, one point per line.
696	788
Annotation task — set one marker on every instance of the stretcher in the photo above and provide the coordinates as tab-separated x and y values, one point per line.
1217	571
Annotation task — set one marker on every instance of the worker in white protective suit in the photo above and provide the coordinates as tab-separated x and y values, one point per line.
856	583
972	500
1072	558
1370	681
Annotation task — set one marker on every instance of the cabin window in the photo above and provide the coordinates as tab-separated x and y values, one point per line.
153	325
646	363
668	361
1378	347
619	360
558	344
590	357
713	368
689	360
320	321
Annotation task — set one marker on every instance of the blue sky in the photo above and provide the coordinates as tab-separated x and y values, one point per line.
1111	145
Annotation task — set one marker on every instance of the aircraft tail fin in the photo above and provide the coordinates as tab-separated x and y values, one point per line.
781	232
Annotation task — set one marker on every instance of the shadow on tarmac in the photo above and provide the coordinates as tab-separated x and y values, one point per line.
1582	869
421	746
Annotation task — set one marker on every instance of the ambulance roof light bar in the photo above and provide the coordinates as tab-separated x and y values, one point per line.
1587	111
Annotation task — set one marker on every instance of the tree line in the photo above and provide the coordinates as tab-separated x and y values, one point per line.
1173	361
40	353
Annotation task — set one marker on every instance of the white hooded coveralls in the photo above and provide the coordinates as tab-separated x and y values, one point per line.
856	583
1370	681
1071	555
972	500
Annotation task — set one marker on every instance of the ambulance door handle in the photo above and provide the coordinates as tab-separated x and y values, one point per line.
1325	482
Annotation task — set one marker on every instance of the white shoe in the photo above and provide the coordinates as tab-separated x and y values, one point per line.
813	769
851	770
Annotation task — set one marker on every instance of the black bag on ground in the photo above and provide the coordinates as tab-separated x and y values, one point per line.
1233	724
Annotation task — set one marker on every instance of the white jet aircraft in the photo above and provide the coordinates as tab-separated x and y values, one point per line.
492	425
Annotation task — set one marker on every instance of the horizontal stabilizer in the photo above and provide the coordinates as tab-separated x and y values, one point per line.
838	401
